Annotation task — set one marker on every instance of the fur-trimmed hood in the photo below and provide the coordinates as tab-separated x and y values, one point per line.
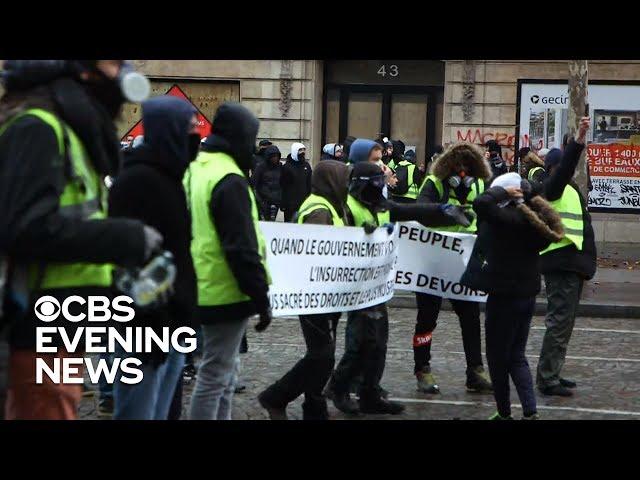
462	153
542	216
529	161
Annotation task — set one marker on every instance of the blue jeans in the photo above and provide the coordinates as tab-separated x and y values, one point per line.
151	398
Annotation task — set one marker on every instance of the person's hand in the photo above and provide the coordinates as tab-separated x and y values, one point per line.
514	192
369	228
461	215
152	241
264	321
487	155
390	227
585	123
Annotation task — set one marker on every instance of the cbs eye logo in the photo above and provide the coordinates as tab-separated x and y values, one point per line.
47	309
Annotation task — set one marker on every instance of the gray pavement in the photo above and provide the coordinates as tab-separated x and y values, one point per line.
603	357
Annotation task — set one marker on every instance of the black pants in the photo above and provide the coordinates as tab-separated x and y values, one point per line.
365	351
310	374
427	318
289	213
507	325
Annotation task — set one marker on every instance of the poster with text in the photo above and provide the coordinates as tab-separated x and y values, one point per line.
614	138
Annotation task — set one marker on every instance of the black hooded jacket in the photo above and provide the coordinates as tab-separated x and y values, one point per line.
295	181
266	178
235	129
33	176
330	180
149	188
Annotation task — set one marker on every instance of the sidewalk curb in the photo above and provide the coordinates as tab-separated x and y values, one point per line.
585	309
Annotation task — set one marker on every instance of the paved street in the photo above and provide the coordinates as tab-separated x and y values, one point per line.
604	358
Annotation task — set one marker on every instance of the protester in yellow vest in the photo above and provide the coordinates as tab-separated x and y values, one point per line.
228	253
57	144
325	206
565	264
368	329
410	177
457	177
531	165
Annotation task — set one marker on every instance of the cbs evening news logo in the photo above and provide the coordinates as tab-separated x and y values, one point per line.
123	342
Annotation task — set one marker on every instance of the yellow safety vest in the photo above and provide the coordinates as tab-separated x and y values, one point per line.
314	202
569	208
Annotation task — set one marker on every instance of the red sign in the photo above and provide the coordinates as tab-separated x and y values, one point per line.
614	160
204	125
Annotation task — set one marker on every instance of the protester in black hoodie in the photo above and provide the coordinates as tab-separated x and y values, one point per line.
228	253
494	156
266	183
70	247
309	376
154	171
514	227
295	180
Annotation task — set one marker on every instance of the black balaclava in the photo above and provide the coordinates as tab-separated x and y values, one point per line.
366	184
269	152
234	130
167	121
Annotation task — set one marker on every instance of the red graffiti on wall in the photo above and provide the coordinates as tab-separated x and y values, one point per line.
504	139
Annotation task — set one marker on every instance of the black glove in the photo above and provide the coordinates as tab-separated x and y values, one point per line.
265	320
152	241
462	216
369	228
389	227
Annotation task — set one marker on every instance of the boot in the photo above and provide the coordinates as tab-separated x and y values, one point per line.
315	410
565	382
341	400
426	381
275	412
557	390
377	405
478	381
533	416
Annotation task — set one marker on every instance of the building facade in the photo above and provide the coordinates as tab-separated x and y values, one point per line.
424	103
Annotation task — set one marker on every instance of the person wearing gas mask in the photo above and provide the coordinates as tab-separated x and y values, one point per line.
367	330
155	171
295	180
410	176
266	183
493	155
57	144
457	177
325	206
229	255
514	225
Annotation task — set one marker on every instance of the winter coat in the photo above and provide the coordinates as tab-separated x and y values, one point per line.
295	180
266	178
505	256
330	180
149	188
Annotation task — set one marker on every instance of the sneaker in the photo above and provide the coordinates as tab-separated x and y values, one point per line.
497	416
380	406
105	408
533	416
241	387
478	380
189	372
275	413
557	390
426	381
568	383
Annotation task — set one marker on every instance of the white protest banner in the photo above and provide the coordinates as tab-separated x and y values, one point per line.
323	269
433	262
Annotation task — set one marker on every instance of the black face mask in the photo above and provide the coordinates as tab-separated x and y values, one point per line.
194	146
301	157
107	91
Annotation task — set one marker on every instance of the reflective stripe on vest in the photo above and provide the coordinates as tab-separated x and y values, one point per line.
362	215
533	171
216	283
412	192
569	208
84	197
476	189
314	202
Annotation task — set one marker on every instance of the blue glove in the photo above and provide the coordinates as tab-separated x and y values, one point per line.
390	227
